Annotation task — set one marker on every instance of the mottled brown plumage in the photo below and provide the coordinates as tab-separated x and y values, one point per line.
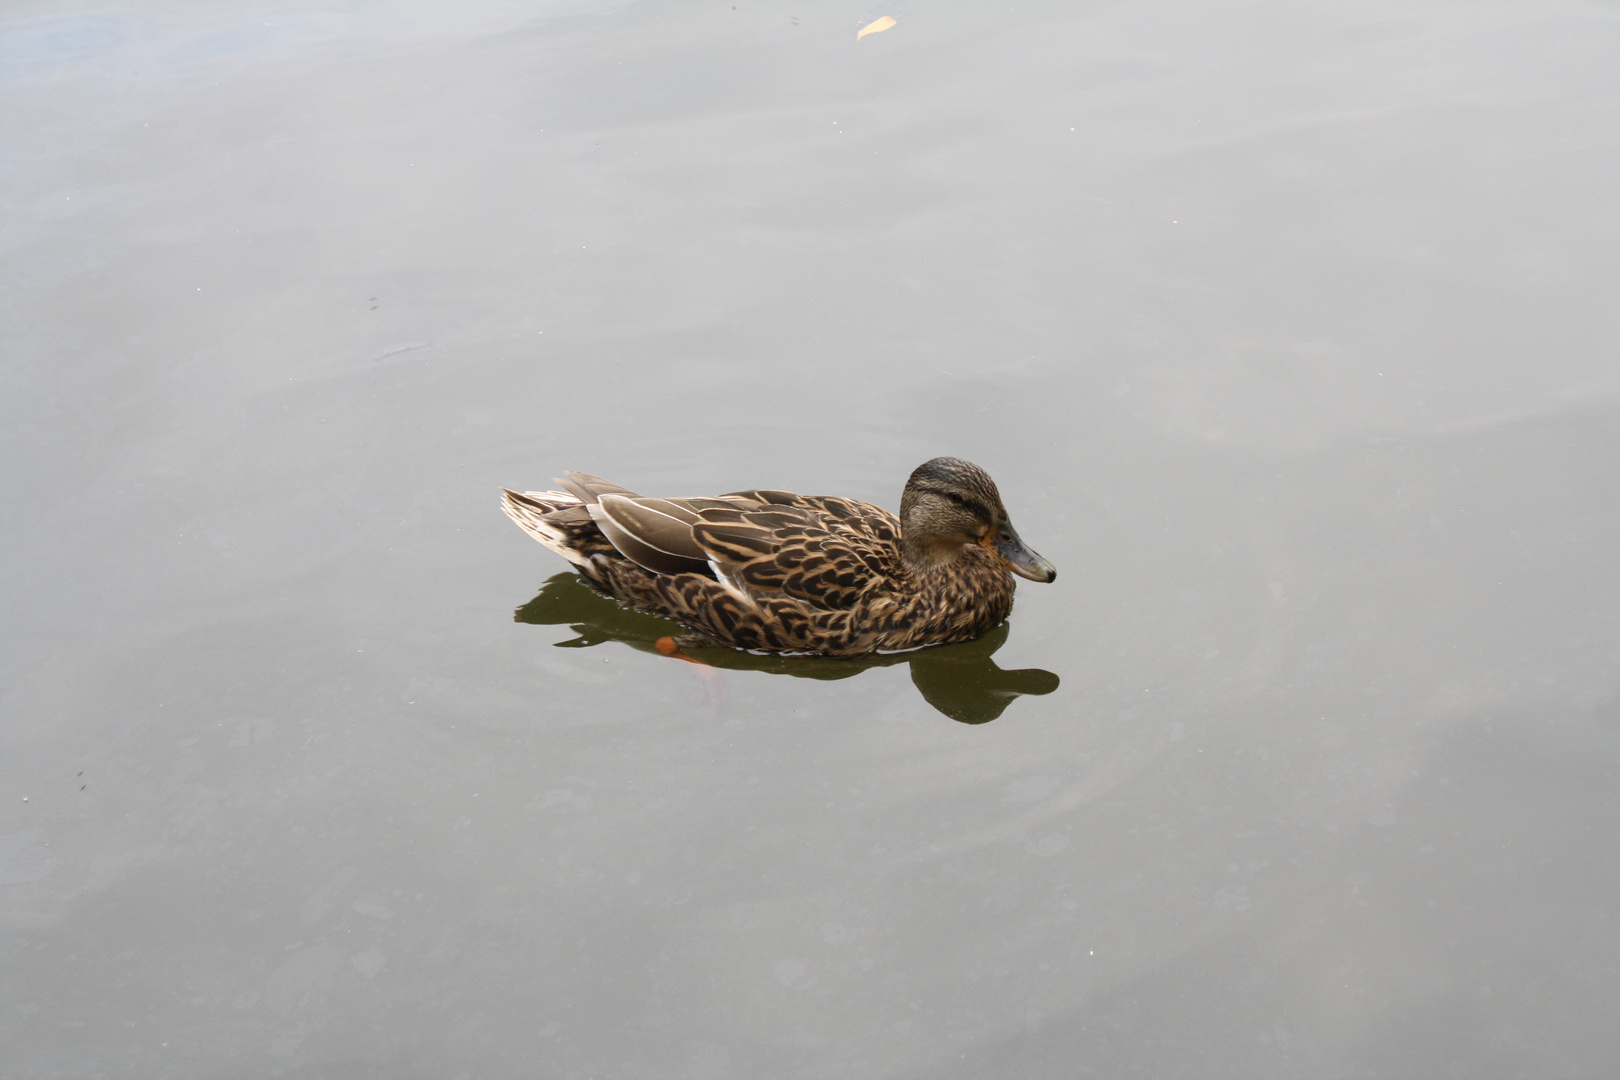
772	571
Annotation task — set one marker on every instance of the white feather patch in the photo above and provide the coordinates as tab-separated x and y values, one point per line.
723	575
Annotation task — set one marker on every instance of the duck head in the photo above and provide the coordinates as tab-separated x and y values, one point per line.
949	503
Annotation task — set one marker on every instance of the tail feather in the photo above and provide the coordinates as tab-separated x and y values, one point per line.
554	518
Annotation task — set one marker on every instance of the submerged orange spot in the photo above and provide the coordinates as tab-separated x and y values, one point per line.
666	647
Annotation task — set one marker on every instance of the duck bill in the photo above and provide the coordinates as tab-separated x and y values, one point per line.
1017	555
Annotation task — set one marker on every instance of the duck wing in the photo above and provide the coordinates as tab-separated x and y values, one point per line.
659	534
653	533
825	557
822	552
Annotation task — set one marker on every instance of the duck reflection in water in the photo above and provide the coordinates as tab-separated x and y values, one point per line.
961	681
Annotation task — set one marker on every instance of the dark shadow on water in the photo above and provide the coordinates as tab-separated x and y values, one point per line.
961	681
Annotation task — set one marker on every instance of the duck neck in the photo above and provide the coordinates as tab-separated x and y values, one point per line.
925	556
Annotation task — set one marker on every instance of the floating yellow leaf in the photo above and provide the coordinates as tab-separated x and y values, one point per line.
875	27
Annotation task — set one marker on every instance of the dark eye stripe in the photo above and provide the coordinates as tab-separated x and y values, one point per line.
945	493
979	509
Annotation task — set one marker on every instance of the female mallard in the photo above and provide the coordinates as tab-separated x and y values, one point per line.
773	571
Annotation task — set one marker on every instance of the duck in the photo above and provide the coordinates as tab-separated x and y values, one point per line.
771	571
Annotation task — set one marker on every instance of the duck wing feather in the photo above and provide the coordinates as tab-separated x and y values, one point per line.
826	561
657	534
653	533
589	488
823	552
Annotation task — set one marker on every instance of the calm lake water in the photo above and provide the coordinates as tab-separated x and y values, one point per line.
1289	332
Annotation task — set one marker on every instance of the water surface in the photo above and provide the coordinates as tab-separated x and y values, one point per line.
1287	330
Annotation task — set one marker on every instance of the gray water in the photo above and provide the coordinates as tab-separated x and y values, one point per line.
1288	331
